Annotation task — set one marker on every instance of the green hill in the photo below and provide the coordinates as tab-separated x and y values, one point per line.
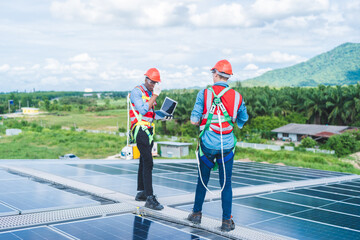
340	66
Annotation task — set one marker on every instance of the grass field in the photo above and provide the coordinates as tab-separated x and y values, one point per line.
50	144
109	120
295	158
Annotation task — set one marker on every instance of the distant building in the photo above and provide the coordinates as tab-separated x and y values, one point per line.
173	149
29	110
13	132
98	95
295	132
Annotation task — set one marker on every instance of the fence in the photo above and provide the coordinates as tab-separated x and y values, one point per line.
258	146
278	148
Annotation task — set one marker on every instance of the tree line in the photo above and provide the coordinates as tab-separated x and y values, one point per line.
269	108
53	101
333	105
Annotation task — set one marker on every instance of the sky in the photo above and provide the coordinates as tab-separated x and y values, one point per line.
108	45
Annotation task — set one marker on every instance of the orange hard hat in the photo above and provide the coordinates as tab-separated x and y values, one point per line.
223	66
153	74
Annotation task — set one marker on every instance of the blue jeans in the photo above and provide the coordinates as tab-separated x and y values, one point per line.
226	195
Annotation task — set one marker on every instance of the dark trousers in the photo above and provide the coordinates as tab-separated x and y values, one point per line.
146	162
226	194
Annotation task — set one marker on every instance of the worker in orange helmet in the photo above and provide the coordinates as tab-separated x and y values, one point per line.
142	115
216	110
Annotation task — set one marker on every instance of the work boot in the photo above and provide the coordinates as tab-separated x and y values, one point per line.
152	202
140	196
195	217
227	225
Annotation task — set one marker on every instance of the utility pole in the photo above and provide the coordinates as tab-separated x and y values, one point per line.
10	102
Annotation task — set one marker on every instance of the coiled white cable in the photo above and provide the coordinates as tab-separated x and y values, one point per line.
127	130
222	157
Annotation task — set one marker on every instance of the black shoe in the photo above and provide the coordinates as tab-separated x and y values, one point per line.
195	217
152	202
140	196
227	225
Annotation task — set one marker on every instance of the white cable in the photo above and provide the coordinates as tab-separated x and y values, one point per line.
222	156
222	151
127	130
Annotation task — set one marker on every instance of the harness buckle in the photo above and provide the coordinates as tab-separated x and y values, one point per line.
212	109
222	107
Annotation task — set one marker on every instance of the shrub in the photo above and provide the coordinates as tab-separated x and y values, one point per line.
343	144
308	142
55	127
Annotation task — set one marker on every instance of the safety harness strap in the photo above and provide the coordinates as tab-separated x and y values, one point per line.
141	124
216	102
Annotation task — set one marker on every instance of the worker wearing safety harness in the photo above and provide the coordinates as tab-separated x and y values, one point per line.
216	110
142	115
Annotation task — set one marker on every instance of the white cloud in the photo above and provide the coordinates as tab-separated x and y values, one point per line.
296	22
274	9
87	66
227	51
52	64
4	68
35	67
251	67
223	15
109	44
83	57
156	15
52	81
18	69
150	13
273	57
104	76
91	11
262	71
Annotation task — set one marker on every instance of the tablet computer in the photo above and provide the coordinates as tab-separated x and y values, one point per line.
167	108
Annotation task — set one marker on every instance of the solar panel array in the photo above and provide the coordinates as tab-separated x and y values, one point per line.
319	212
126	226
22	195
322	212
172	179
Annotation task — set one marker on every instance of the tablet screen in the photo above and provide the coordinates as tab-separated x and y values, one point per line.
168	105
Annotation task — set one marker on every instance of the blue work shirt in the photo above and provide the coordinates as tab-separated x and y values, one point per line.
211	139
136	98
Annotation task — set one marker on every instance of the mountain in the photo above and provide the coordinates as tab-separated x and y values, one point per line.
340	66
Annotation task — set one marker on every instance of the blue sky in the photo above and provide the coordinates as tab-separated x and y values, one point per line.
109	44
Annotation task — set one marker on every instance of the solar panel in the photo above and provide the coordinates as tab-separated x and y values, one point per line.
353	200
344	207
62	170
38	233
6	211
26	195
333	218
45	200
126	185
125	226
321	212
320	194
298	199
301	229
269	205
337	191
